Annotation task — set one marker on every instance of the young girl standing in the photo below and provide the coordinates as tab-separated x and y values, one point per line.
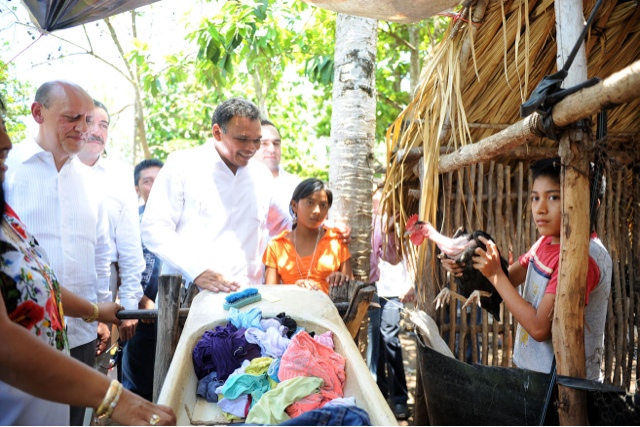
310	255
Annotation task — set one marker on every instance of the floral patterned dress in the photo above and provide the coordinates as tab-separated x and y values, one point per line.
32	298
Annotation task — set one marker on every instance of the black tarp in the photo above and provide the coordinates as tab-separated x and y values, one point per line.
52	15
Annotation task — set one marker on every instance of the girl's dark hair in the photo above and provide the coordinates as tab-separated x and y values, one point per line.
306	188
549	168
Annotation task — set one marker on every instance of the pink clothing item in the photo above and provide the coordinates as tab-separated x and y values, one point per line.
380	251
307	357
326	339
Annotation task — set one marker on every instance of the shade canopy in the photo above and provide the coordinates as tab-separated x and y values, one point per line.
52	15
387	10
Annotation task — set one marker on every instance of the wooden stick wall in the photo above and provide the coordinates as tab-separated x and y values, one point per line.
495	197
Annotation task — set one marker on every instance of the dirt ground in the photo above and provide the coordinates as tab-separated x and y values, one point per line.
409	355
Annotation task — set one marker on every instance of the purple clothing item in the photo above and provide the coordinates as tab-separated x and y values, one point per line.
222	350
272	343
235	407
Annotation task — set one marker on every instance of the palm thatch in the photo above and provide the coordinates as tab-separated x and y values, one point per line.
472	88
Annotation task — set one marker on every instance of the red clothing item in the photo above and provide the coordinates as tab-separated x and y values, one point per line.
329	255
546	259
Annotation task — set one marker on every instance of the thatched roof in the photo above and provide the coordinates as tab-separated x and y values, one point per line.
479	76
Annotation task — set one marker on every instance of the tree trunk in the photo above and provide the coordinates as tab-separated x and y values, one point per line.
353	127
568	317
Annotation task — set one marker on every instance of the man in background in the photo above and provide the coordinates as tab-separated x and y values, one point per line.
270	154
122	209
139	354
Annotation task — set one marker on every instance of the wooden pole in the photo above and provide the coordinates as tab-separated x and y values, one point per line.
168	313
568	314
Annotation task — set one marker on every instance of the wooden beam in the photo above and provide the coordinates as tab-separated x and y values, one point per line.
619	88
169	308
567	330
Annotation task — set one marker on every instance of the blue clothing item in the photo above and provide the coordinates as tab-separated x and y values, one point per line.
384	352
273	370
207	387
138	361
151	272
255	385
331	416
245	319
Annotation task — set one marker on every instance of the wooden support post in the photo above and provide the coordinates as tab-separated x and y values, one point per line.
568	317
168	313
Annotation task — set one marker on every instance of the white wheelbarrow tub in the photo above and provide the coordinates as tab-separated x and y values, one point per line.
311	309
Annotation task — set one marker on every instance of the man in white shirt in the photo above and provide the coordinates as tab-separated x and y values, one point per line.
270	154
121	201
206	216
54	195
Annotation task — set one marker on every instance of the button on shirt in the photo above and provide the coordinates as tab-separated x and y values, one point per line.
201	216
65	213
121	202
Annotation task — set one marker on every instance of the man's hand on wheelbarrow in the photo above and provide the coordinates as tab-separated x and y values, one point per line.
215	282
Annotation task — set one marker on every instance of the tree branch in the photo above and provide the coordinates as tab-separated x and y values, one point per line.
399	39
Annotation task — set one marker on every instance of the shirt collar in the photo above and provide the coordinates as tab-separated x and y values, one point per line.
29	149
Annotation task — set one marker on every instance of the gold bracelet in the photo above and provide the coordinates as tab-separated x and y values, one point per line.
108	398
94	316
114	402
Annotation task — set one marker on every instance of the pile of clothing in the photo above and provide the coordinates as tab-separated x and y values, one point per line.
270	371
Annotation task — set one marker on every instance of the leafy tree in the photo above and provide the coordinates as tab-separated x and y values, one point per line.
17	95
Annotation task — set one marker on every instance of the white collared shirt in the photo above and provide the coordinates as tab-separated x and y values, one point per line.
121	202
284	184
201	216
65	213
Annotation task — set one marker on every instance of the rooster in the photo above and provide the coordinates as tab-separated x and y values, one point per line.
472	285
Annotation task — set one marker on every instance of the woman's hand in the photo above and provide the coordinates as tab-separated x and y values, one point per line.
136	411
337	279
308	283
488	262
452	266
107	312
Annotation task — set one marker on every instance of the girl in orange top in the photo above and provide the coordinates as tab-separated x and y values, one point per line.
310	255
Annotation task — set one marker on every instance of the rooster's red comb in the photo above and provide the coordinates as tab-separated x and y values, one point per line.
413	219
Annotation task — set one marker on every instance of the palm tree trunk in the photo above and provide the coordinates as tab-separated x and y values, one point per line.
353	126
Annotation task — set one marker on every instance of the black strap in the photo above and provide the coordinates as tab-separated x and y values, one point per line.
548	92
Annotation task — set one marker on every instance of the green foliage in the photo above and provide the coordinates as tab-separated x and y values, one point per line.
278	54
17	95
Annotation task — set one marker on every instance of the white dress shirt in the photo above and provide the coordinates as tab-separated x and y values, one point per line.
201	216
284	184
121	201
65	213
